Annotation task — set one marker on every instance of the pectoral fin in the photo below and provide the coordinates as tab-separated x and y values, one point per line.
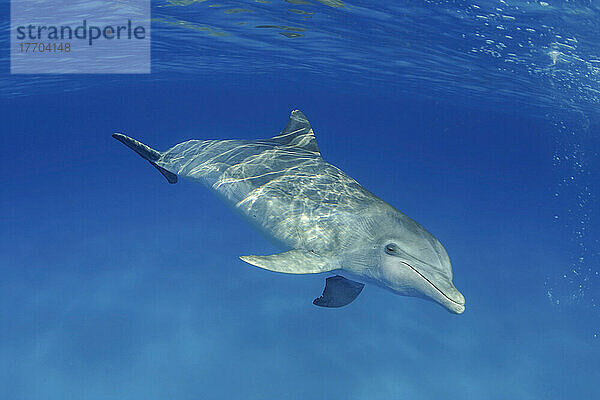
292	262
338	292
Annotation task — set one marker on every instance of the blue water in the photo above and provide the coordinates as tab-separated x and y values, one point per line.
117	285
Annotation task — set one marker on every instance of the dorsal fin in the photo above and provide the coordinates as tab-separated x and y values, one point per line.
298	133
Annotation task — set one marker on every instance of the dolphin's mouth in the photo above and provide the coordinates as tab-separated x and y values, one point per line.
455	306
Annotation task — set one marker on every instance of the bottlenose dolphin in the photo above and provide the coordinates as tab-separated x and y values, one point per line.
329	221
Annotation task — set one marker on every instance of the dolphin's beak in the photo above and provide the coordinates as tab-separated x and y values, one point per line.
442	292
456	303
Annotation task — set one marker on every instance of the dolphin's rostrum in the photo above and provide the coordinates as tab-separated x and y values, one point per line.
329	221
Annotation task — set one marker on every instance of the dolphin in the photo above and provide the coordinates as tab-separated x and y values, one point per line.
327	220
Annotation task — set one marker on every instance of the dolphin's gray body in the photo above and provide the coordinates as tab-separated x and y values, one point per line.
327	219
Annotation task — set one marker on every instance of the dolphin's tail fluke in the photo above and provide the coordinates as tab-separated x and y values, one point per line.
147	153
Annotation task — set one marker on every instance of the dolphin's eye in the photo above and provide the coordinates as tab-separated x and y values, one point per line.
391	248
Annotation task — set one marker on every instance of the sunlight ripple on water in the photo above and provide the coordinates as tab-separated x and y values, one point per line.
538	54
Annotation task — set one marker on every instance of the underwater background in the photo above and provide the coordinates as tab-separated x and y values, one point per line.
477	119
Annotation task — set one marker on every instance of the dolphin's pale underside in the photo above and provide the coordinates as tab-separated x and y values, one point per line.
329	221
